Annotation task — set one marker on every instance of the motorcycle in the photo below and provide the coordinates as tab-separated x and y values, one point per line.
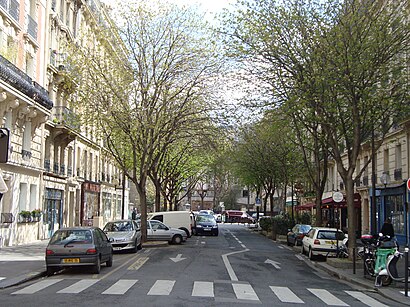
386	247
391	267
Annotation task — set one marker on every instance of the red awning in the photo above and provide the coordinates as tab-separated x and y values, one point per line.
329	201
306	206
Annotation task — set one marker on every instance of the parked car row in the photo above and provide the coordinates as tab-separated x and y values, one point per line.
91	246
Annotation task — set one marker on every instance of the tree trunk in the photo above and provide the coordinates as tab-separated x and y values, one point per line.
351	214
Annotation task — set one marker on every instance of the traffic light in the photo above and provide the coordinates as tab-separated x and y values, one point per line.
4	144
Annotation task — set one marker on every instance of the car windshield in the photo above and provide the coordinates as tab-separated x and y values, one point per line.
330	235
118	226
205	218
62	237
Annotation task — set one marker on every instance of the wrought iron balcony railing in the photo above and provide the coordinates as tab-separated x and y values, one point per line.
47	165
65	116
12	75
69	171
398	174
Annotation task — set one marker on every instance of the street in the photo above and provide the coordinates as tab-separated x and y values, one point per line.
239	266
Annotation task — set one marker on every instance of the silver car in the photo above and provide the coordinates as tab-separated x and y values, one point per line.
124	235
78	246
157	231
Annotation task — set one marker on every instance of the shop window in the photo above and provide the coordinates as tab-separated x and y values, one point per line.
395	211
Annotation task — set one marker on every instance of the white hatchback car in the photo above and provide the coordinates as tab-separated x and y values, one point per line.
322	241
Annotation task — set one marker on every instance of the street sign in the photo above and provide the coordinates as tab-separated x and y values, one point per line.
337	197
258	202
408	184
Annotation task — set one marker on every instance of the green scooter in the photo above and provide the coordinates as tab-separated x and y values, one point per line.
386	246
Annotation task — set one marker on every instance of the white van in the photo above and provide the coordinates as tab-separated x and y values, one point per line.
183	220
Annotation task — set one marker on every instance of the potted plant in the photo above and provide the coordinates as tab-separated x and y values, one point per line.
36	214
25	215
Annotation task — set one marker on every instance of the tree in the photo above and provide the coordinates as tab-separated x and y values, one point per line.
148	89
341	65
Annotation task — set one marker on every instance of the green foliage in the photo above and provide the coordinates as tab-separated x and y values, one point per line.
282	222
305	218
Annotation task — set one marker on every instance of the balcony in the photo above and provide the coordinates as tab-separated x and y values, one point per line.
56	168
398	174
64	116
26	154
11	7
32	27
62	170
16	78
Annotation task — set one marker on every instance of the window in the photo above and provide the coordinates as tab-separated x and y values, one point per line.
158	218
245	193
23	197
394	211
398	157
386	161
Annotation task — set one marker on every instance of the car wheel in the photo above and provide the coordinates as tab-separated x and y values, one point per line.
50	271
177	239
97	266
139	246
311	256
287	241
109	262
135	248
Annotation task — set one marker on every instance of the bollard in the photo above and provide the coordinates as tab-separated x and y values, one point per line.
406	271
354	260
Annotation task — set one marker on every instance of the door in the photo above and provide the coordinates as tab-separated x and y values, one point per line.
53	206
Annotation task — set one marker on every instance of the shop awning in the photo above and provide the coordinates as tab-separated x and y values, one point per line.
329	202
307	206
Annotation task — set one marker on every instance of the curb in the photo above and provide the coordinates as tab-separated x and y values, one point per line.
21	279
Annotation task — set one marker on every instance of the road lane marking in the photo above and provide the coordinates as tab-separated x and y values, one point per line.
37	286
245	292
286	295
117	268
365	299
203	289
162	287
327	297
79	286
121	286
228	266
138	263
300	257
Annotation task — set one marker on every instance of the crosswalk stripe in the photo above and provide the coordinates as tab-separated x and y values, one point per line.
203	288
245	292
37	286
285	295
2	278
79	286
162	287
327	297
121	286
365	299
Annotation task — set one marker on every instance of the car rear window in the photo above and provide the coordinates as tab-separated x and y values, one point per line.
62	237
330	235
304	228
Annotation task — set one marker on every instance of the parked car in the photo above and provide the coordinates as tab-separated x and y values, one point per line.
126	235
296	234
78	246
183	220
157	231
206	224
236	216
322	241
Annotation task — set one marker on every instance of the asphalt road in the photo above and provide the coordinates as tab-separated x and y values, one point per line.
237	267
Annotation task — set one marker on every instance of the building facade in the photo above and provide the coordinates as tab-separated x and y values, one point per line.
58	172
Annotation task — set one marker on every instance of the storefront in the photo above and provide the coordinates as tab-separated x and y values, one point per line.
335	214
54	209
391	203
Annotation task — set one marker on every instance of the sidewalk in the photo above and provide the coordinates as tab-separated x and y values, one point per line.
394	292
22	263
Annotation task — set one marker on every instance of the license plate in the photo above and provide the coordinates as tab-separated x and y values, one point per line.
71	260
330	242
116	248
207	229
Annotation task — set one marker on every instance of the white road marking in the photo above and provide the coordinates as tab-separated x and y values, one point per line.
280	246
203	288
286	295
37	286
245	292
327	297
162	287
365	299
121	286
228	266
2	278
300	257
79	286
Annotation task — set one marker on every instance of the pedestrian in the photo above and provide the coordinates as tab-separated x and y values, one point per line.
134	214
387	228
